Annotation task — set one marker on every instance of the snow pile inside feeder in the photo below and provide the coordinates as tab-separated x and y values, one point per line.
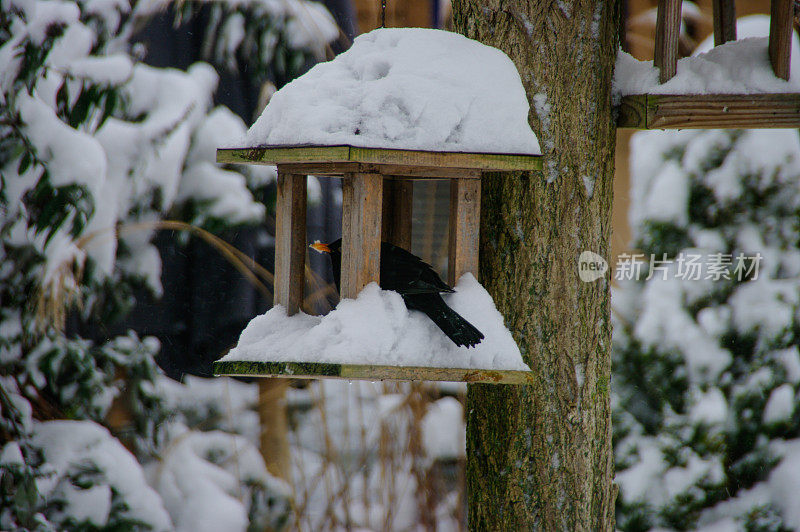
404	88
376	328
736	67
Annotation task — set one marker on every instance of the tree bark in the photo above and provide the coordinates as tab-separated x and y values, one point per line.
539	456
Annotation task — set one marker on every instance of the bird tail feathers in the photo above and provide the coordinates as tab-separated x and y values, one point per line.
452	324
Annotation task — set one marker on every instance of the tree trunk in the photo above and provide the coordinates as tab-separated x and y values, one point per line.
539	457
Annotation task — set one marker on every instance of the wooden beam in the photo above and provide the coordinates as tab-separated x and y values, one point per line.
465	220
290	241
710	111
362	202
397	211
497	162
315	370
780	37
393	171
632	111
668	27
724	21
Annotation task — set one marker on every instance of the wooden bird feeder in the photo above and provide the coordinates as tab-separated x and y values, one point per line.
376	205
715	111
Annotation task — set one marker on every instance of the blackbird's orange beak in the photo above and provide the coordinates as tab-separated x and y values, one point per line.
319	247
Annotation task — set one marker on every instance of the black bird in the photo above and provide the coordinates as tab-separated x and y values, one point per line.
418	284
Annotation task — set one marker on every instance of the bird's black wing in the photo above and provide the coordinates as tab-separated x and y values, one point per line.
406	273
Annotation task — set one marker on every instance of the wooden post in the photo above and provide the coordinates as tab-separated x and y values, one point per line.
668	27
398	195
362	201
290	259
290	241
780	37
724	12
465	219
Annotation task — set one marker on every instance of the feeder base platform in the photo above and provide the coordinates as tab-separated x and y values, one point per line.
710	111
316	370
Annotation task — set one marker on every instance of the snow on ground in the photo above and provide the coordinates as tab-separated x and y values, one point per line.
377	328
408	88
736	67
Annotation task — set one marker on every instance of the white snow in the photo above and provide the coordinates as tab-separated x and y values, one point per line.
668	197
11	454
765	305
736	67
727	524
709	407
780	404
790	359
377	328
408	88
715	321
50	12
678	479
201	480
443	435
780	489
310	25
73	156
110	70
641	480
229	401
755	26
69	446
784	481
663	323
226	193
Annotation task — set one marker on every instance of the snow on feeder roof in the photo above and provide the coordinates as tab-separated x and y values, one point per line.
404	88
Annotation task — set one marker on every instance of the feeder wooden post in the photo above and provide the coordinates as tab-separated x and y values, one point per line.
398	197
290	241
362	202
465	219
668	27
780	37
724	13
290	261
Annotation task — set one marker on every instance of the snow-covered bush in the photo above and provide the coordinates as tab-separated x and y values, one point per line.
96	149
706	361
214	480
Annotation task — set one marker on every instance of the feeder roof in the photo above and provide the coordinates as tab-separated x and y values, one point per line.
404	88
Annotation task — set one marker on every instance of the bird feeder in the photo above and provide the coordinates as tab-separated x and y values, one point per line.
376	205
714	111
